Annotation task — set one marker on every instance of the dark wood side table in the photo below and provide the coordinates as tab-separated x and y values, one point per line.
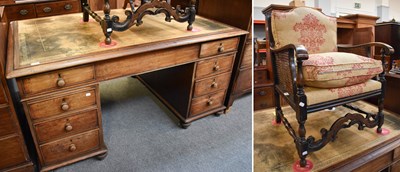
392	95
392	102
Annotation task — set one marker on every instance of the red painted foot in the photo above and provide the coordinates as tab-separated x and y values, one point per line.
104	45
274	123
384	132
194	30
307	168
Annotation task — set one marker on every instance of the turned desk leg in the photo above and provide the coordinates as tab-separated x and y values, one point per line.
106	24
85	12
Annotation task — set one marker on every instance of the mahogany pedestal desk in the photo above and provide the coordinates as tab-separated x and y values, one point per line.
58	64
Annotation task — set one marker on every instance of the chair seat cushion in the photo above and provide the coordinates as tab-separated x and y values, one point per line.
338	69
319	95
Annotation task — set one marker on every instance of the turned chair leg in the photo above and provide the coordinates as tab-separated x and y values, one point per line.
278	110
380	117
301	143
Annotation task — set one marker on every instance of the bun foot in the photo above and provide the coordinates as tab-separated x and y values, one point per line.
101	156
189	27
184	125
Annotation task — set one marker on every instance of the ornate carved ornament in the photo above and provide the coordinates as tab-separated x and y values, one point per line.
134	16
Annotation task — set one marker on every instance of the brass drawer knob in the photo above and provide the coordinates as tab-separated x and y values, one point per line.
23	12
72	147
64	106
262	93
47	9
216	68
210	102
60	82
67	6
221	49
68	127
214	85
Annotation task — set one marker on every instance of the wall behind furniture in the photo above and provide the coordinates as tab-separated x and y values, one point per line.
391	8
394	10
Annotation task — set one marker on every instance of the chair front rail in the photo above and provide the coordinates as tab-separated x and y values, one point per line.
344	100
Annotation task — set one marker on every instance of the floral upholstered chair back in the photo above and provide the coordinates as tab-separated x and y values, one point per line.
304	26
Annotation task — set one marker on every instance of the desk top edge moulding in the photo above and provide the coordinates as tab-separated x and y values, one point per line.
134	16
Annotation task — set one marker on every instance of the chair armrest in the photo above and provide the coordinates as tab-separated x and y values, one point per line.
300	50
289	59
387	49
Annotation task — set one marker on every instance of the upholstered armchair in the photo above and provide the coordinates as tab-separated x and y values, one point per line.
312	75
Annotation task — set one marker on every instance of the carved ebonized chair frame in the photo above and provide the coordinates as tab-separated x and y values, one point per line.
134	16
292	56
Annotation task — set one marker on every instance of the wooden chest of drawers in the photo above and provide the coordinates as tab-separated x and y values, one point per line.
41	9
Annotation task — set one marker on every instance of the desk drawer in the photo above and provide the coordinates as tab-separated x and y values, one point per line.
7	124
218	47
65	126
212	84
57	8
20	12
57	79
377	164
214	66
207	102
11	152
69	147
65	103
396	154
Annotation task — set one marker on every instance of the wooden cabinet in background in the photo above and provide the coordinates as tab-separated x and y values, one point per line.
13	151
44	8
389	32
33	9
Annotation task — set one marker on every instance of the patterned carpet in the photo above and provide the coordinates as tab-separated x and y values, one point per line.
274	149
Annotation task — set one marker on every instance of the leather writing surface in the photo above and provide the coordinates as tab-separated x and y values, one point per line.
59	38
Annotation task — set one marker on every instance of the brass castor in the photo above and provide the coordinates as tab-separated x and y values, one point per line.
227	109
101	156
184	125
